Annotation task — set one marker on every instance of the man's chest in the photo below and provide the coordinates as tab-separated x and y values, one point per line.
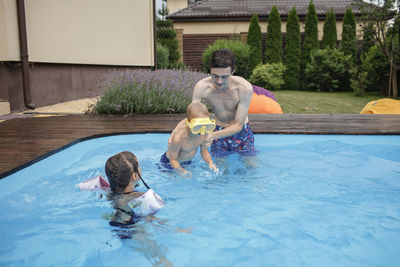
224	99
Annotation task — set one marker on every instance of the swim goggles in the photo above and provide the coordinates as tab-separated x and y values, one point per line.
201	125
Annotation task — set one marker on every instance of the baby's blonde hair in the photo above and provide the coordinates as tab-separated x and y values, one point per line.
197	110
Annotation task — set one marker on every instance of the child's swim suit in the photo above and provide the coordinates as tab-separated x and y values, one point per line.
124	229
165	162
242	142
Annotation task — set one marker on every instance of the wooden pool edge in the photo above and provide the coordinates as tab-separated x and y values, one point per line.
25	141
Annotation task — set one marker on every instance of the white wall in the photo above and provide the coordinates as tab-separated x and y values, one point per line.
102	32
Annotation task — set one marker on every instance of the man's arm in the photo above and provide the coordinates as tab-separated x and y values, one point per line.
245	95
198	92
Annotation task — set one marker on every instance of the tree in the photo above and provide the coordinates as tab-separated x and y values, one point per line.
349	38
163	12
254	41
330	34
385	17
292	56
310	34
273	50
368	40
166	35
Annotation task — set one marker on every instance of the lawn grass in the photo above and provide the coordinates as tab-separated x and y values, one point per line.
306	102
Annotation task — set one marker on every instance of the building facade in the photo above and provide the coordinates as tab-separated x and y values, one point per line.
200	22
68	45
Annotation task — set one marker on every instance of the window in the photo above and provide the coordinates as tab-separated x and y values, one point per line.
190	2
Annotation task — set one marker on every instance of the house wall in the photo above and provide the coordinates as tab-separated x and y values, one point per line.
240	26
70	43
175	5
52	83
9	41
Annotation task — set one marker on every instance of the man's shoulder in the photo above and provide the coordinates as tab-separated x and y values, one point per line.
205	82
202	88
243	84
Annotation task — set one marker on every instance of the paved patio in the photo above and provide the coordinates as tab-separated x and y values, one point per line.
26	140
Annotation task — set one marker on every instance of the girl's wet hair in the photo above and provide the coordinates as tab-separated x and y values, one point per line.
222	58
119	169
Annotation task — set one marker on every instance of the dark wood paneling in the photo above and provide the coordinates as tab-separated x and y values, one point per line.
194	46
24	141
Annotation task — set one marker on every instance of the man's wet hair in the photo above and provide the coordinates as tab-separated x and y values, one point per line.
222	58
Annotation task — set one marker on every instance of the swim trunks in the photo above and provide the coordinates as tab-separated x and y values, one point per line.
165	162
242	143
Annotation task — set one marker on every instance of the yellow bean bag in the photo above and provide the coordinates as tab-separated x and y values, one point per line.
262	104
382	106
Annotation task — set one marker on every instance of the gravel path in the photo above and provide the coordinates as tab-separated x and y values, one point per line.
76	107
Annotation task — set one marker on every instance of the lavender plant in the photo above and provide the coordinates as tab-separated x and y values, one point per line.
146	91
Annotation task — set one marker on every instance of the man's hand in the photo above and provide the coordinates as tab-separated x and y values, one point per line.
210	139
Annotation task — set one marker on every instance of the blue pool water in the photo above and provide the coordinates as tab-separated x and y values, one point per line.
312	201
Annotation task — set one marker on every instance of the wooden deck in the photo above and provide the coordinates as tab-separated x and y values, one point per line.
24	141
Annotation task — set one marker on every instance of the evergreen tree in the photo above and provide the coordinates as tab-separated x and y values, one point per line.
163	11
349	38
330	34
368	37
292	57
310	34
254	41
166	35
273	50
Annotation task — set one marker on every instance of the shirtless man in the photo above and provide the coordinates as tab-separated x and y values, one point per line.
230	97
185	139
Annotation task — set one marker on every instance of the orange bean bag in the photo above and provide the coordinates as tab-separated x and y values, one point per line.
262	104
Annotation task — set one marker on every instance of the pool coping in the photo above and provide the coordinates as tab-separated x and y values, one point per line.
25	141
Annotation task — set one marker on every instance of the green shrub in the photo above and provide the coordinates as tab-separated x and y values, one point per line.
375	63
273	47
254	41
368	38
357	80
310	34
136	98
146	91
328	71
292	56
239	49
162	56
330	33
177	66
349	38
269	76
166	36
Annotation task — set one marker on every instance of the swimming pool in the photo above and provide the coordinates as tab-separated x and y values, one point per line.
314	200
